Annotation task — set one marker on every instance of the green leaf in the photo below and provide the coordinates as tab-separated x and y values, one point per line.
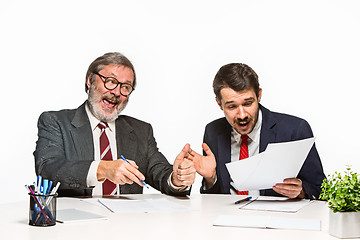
342	191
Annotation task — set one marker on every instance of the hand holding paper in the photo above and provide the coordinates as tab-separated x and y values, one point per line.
291	187
278	162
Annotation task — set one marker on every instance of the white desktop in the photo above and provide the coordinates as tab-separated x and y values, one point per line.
196	219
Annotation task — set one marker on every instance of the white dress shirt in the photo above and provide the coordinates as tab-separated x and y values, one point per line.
92	180
253	147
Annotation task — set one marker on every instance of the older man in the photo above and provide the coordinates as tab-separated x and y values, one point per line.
83	148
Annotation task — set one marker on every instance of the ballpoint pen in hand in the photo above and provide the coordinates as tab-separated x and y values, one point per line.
145	185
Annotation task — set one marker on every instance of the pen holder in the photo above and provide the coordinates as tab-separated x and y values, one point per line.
42	210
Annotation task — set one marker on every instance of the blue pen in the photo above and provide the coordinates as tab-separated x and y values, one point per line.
122	157
49	187
45	186
243	200
39	179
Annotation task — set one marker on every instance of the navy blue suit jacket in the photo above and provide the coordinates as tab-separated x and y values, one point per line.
275	128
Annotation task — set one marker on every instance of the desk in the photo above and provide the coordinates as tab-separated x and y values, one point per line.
189	225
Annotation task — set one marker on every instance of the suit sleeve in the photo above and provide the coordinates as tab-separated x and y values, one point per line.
215	189
52	161
159	169
311	173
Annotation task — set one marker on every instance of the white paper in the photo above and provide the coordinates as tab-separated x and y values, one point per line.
277	162
75	215
147	205
267	222
276	204
94	201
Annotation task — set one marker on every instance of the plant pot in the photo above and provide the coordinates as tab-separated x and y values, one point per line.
344	224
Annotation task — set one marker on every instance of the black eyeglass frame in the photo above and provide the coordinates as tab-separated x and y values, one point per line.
117	84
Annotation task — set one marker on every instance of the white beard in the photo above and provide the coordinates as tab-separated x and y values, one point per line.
93	100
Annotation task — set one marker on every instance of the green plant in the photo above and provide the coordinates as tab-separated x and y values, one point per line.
342	192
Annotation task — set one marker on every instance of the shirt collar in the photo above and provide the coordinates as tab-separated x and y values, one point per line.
254	135
94	121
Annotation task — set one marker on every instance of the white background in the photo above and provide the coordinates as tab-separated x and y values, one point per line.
306	54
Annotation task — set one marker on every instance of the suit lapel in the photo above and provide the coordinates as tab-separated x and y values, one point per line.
268	129
126	143
268	132
82	134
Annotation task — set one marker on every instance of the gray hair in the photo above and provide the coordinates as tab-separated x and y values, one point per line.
98	64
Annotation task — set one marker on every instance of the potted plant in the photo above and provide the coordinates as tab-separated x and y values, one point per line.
342	193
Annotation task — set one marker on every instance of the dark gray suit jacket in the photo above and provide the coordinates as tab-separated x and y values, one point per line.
64	152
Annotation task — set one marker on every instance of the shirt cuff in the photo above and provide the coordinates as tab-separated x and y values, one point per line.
91	179
204	187
179	189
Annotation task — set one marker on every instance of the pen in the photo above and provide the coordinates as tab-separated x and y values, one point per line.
39	178
243	200
36	187
45	186
27	188
49	187
122	157
53	191
39	205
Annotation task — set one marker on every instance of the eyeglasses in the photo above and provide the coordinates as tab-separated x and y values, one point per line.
111	83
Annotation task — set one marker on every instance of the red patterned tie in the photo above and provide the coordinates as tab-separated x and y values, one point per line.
244	153
109	188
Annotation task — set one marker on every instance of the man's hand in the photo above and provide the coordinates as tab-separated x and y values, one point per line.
183	169
204	165
120	172
291	187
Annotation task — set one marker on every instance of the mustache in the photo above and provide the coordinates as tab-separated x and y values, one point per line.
242	120
111	97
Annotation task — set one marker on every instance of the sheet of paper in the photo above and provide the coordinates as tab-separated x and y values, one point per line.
277	162
94	201
267	222
147	205
276	204
75	215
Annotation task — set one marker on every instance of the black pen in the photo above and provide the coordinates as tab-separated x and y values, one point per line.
243	200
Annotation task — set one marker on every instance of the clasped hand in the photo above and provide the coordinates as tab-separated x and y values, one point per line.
184	171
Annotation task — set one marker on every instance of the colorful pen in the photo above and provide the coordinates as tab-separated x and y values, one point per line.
53	191
122	157
45	186
39	205
49	187
36	188
243	200
39	180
